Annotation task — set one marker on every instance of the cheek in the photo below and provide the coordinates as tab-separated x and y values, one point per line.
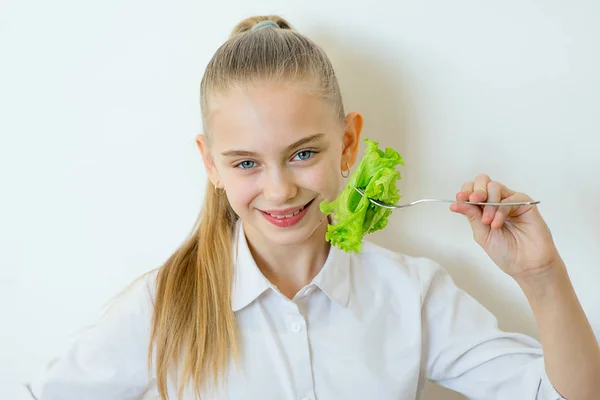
241	189
325	179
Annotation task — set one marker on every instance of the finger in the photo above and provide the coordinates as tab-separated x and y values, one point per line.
463	195
506	192
473	214
467	188
480	186
505	212
465	191
494	195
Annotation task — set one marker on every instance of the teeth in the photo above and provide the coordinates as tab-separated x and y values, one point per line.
282	216
288	215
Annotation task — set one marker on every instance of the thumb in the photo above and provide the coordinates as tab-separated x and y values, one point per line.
474	216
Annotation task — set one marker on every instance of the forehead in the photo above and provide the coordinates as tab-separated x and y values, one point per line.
260	118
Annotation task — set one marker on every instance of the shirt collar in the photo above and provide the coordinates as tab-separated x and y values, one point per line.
249	282
334	277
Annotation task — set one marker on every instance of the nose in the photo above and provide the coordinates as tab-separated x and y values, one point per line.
279	186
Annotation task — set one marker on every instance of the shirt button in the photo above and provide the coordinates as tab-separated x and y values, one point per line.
296	327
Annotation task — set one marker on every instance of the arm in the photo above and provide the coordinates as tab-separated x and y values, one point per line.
108	360
520	243
464	350
571	351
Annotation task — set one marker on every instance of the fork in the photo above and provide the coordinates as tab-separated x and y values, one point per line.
477	203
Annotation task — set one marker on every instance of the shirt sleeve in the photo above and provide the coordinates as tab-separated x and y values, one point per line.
108	360
465	351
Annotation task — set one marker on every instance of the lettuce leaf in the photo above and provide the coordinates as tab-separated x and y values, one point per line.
354	215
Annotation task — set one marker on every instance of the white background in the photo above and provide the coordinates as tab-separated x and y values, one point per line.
101	181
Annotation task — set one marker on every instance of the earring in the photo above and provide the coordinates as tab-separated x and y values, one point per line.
219	191
347	170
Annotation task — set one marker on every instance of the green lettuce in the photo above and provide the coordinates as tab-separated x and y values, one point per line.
354	215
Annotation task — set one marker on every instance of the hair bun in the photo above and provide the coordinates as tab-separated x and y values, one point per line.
258	22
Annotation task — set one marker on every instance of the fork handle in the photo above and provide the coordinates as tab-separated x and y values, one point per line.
479	203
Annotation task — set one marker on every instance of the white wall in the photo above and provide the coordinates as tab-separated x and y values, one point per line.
101	181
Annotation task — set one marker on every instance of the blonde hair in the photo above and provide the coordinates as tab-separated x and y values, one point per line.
194	332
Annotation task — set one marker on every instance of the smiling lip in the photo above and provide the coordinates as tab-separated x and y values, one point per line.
287	217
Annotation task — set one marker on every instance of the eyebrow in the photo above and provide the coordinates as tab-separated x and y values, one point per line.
303	141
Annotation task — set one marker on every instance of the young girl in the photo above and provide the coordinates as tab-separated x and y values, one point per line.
257	305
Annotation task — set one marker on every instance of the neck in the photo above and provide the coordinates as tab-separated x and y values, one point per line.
291	273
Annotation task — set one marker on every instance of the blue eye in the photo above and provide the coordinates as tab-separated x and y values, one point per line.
247	164
304	155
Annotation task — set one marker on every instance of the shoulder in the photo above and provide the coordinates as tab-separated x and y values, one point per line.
414	273
135	300
380	258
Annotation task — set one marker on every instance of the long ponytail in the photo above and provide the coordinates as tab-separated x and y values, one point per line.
193	326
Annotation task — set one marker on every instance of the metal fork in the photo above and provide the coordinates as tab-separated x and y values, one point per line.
477	203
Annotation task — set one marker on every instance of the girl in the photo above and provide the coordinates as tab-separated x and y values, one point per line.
257	305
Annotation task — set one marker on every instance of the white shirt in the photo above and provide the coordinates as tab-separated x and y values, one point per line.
373	325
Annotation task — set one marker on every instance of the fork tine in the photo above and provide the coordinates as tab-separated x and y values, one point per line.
360	191
377	203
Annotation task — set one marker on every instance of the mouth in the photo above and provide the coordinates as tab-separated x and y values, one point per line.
287	217
287	213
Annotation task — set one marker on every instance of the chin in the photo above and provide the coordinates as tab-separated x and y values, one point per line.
293	238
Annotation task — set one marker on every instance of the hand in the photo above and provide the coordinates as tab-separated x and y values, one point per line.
516	238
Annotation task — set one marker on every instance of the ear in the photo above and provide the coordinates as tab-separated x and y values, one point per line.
354	124
209	163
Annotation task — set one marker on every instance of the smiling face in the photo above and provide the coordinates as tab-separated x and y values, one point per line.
278	152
